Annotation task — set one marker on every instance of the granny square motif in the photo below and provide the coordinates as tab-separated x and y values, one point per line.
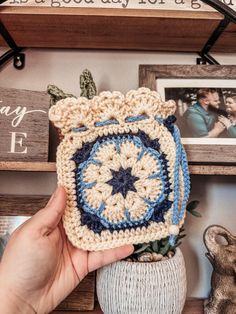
124	169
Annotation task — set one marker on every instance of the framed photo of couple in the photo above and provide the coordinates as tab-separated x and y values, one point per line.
205	97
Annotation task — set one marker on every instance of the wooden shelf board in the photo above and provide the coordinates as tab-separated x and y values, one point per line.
156	30
192	306
212	170
27	166
51	167
227	41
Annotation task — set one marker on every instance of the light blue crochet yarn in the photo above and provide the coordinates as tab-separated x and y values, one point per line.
94	218
128	221
136	118
106	122
181	160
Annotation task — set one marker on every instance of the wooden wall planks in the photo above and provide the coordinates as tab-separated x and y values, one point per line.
13	205
82	298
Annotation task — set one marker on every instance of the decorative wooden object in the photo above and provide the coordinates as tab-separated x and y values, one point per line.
24	125
197	153
222	257
158	30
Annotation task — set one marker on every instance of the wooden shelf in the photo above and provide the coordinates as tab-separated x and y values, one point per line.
212	170
27	166
156	30
192	306
51	167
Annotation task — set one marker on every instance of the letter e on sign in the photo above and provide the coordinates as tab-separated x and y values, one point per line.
18	141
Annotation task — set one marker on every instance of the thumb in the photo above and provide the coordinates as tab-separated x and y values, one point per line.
47	219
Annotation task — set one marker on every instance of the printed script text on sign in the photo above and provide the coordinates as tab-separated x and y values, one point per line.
185	5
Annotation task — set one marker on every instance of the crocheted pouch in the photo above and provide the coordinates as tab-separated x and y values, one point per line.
124	169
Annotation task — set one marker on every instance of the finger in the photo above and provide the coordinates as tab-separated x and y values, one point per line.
79	260
48	218
102	258
50	200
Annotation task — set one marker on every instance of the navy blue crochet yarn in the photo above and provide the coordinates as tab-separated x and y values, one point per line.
158	216
169	123
91	220
94	224
160	210
148	142
83	154
122	181
168	190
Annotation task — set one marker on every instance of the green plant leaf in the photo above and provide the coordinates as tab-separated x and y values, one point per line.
164	241
87	85
164	250
137	246
196	214
142	248
155	246
181	236
178	243
192	205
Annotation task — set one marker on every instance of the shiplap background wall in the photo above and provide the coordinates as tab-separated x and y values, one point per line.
114	70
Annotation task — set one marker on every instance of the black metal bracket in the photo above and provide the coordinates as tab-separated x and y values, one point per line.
14	52
229	16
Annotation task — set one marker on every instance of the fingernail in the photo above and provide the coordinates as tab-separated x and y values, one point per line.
50	200
57	191
53	196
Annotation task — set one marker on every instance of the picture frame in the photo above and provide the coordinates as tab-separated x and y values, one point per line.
179	80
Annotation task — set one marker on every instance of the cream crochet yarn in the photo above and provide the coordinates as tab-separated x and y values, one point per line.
123	167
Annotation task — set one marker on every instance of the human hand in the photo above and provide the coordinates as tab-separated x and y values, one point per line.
219	126
225	121
217	129
40	267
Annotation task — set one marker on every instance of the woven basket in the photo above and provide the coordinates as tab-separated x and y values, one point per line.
143	288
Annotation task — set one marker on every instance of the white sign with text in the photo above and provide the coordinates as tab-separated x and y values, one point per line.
185	5
24	125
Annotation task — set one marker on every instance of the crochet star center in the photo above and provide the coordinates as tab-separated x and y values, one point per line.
122	181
